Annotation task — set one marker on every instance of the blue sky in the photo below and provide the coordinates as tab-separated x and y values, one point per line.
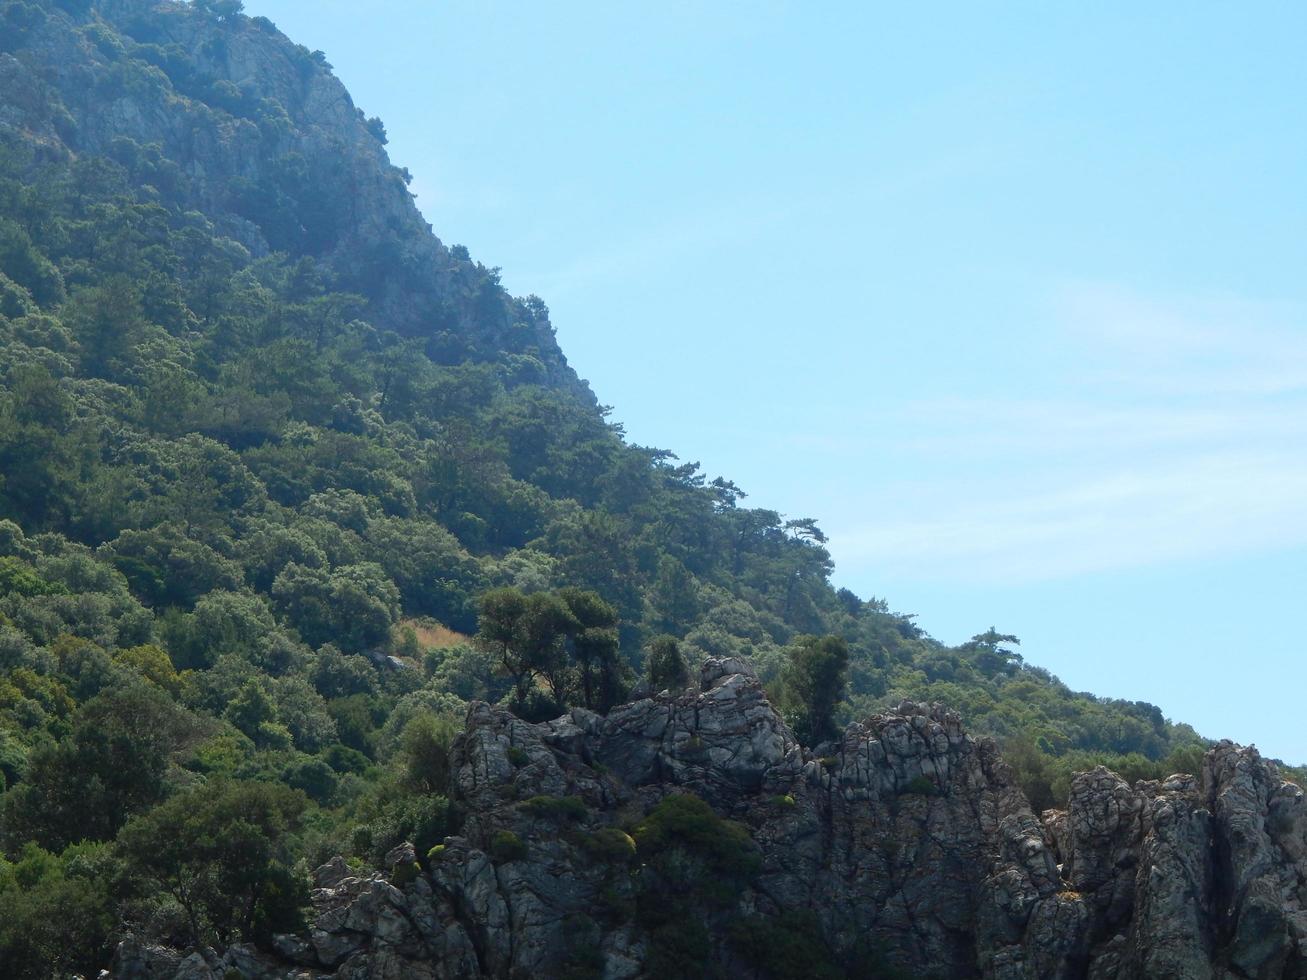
1012	300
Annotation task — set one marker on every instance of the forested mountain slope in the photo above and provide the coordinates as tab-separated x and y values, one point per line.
268	449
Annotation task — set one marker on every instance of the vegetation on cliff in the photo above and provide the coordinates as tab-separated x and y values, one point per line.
271	456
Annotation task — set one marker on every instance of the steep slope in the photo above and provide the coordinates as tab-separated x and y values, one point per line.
267	144
223	175
270	454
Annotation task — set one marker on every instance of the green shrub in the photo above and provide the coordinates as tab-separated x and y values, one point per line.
518	757
679	947
436	853
785	947
784	801
921	785
610	844
615	904
685	822
423	820
555	807
405	874
506	846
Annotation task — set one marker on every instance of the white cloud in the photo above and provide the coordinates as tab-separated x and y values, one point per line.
1181	434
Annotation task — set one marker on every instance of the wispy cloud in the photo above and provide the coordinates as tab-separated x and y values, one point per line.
691	235
1180	433
676	238
1208	345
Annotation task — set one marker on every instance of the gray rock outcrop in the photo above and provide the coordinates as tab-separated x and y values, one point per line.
911	840
255	133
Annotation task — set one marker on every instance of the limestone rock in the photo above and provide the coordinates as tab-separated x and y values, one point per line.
905	835
353	210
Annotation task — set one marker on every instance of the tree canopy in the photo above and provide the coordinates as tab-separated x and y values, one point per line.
279	499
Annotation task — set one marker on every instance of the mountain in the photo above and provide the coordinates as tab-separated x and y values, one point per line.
290	492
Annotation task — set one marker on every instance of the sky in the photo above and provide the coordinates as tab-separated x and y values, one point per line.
1010	298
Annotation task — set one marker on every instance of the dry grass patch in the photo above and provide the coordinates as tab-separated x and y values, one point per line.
433	635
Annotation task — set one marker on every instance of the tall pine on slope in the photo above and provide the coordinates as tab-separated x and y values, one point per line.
268	447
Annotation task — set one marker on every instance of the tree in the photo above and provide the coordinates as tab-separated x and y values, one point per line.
675	597
666	664
222	10
353	607
110	767
813	685
566	638
59	917
545	621
424	748
501	612
987	652
526	633
253	712
43	461
594	646
222	852
168	568
107	322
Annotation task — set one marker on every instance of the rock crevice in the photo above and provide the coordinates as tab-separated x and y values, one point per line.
909	838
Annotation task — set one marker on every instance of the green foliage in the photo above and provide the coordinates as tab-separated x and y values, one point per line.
254	714
404	874
558	808
666	664
221	852
389	816
314	777
785	947
1045	778
19	578
506	846
152	663
919	785
988	654
220	9
424	752
111	765
353	607
230	469
683	824
679	946
566	640
813	685
57	913
518	757
610	844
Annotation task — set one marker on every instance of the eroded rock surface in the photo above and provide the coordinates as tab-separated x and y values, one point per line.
299	168
909	839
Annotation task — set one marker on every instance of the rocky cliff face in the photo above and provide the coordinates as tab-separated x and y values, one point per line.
225	117
906	848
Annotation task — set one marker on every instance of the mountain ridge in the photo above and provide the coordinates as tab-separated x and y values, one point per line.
272	454
235	141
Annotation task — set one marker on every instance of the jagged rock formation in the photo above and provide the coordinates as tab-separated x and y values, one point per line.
227	117
908	838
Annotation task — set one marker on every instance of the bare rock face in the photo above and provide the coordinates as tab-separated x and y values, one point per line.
258	135
1191	877
909	843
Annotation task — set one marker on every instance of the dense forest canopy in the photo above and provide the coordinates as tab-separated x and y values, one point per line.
285	483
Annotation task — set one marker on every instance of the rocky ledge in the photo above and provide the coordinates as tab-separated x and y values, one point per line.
906	844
